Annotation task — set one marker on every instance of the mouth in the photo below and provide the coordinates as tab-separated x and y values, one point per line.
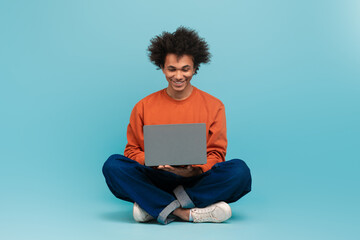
178	83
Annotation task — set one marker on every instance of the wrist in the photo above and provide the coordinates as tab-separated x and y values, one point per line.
197	171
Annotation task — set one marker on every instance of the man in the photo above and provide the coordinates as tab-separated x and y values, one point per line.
197	193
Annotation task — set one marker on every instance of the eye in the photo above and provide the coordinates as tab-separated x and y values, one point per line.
171	69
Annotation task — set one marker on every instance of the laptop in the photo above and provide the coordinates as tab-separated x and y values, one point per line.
175	144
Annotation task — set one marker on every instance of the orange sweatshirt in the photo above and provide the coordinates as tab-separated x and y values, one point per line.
160	108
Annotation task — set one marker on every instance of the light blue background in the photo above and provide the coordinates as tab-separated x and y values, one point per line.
287	71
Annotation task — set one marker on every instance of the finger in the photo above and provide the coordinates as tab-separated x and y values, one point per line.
169	167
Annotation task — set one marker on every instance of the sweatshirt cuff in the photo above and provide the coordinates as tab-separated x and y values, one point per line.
204	168
141	159
210	163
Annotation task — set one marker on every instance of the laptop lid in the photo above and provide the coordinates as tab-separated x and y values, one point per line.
175	144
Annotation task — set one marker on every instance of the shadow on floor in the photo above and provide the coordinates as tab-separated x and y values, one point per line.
117	216
127	217
121	216
238	217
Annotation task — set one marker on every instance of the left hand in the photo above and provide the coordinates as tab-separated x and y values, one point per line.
187	171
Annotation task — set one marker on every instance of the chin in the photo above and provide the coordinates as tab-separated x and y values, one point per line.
179	89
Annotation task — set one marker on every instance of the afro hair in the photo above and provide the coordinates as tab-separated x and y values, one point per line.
183	41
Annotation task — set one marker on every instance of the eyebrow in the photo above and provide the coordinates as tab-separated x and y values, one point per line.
186	66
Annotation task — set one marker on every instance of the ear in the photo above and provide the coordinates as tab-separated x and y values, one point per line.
162	69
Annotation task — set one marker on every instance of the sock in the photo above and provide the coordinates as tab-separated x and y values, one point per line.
190	217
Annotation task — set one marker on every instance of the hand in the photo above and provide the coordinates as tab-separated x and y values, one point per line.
187	171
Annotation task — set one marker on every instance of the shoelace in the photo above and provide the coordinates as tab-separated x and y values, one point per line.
203	214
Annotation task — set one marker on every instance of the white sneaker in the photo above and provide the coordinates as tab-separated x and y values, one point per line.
140	215
217	212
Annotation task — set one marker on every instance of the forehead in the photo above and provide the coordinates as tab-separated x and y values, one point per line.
172	59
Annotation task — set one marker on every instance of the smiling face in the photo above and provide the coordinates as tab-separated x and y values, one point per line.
178	71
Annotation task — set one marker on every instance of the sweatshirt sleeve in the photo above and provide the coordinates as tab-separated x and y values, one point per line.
217	141
135	146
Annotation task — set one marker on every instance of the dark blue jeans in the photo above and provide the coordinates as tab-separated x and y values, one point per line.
159	192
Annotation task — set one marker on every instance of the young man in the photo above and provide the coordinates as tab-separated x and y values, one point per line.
198	193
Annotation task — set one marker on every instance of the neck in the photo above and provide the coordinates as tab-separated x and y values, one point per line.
180	95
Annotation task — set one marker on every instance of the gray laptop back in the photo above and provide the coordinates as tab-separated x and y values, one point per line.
175	144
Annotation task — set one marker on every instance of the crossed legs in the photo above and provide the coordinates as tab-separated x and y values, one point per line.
163	194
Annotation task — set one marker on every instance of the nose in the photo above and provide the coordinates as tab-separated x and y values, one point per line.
178	74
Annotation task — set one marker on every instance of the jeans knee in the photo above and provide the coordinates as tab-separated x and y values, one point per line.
108	165
112	163
116	163
243	177
241	170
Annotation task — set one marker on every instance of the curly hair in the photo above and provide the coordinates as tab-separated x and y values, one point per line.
183	41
